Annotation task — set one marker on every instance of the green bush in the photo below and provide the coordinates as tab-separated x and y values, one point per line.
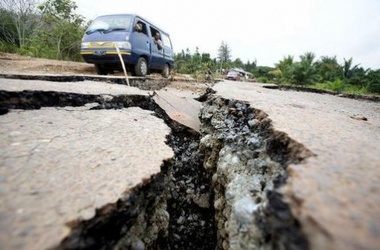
28	51
374	81
7	47
353	89
336	86
262	79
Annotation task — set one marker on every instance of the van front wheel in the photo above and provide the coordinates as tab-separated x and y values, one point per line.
165	71
141	67
101	69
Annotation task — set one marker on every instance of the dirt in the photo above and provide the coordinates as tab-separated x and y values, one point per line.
26	64
18	64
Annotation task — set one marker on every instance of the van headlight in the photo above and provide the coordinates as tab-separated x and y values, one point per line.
123	45
85	45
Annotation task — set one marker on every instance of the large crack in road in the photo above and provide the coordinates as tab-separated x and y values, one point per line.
248	161
219	191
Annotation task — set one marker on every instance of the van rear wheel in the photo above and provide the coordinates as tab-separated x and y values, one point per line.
101	69
165	71
141	67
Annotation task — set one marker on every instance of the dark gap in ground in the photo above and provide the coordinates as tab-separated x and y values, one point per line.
248	159
172	210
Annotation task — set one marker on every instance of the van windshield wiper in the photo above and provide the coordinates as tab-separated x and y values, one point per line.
89	32
113	29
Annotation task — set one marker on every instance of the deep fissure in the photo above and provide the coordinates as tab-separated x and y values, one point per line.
248	159
218	192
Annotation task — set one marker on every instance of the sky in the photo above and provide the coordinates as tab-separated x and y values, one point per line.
262	30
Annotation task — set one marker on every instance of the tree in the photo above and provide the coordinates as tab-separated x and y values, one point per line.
354	75
224	53
196	60
328	69
373	78
358	77
8	31
263	71
250	66
188	55
206	58
208	63
304	72
63	28
19	21
238	63
283	69
348	68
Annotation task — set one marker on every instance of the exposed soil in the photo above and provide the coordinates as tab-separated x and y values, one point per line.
17	64
24	64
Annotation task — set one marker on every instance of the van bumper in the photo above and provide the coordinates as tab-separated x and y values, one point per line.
107	56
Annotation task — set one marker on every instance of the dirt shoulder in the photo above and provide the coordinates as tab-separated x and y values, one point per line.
17	64
24	64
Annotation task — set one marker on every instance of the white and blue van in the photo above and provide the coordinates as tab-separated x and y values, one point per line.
134	36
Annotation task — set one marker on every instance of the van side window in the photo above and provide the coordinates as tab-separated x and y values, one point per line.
141	27
156	38
153	31
165	40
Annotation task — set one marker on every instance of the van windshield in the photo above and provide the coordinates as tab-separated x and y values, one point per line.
110	23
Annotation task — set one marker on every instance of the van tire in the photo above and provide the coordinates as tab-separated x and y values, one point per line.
166	71
101	69
141	67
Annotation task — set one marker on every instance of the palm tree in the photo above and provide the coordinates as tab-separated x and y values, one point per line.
354	75
308	58
348	69
373	78
304	72
283	68
328	69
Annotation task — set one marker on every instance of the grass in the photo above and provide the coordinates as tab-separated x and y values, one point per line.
338	86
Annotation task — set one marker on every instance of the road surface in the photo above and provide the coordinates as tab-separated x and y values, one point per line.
58	164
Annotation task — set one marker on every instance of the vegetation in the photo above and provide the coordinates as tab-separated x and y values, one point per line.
199	65
49	30
53	30
326	73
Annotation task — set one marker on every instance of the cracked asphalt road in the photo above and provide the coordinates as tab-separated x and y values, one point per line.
59	164
56	164
336	194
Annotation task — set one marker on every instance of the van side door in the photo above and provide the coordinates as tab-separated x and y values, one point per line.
157	52
140	40
168	49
